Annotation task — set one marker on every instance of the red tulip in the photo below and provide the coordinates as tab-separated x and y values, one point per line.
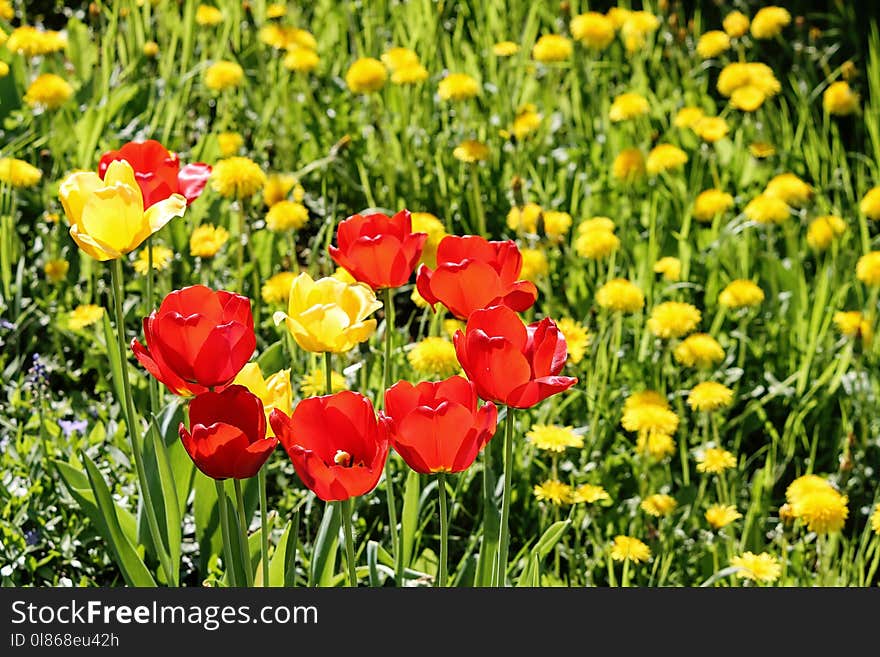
378	250
337	446
158	171
197	339
435	426
509	362
228	435
473	273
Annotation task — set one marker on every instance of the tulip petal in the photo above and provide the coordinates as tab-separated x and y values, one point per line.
466	287
192	179
75	189
496	366
164	211
536	391
114	216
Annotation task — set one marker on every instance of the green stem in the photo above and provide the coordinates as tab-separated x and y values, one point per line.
389	485
152	384
242	521
242	240
328	372
504	544
265	528
224	530
347	512
152	522
444	531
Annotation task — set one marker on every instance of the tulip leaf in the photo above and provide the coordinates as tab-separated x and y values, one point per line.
272	359
207	519
531	574
282	564
168	500
372	563
323	559
182	466
491	532
116	371
409	519
132	566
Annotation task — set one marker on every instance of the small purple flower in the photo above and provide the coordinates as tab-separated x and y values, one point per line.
69	426
32	536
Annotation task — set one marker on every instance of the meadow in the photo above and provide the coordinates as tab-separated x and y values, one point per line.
228	225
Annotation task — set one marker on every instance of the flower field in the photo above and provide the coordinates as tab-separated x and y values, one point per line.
435	293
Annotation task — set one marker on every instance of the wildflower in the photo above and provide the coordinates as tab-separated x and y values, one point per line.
839	99
854	324
747	84
276	289
471	151
150	49
208	16
397	58
596	244
712	44
278	186
556	224
596	223
286	215
823	230
620	295
593	30
710	396
524	218
665	157
805	485
875	519
230	143
276	10
656	445
458	86
274	390
762	567
553	491
434	357
686	117
741	293
711	128
870	203
534	264
301	60
4	67
628	106
409	75
789	188
769	21
552	48
627	548
32	42
312	384
721	515
237	177
658	505
162	257
365	76
527	121
206	240
589	494
19	173
56	270
699	350
636	27
425	222
650	419
645	398
710	203
822	508
765	209
505	49
628	165
670	268
736	24
48	90
673	319
577	338
84	315
223	75
868	269
761	150
554	438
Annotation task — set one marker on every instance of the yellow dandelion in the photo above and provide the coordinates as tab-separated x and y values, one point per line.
162	257
698	350
875	519
277	187
230	143
301	60
713	43
669	267
554	438
451	326
673	319
822	231
629	165
577	338
593	30
458	86
645	398
556	224
48	91
276	289
762	150
686	117
84	315
665	157
721	515
711	128
207	240
736	24
824	510
553	491
237	177
312	384
552	48
839	99
30	41
764	209
286	215
505	49
854	324
396	58
18	173
627	548
534	264
434	357
56	270
741	293
762	567
527	121
150	49
709	396
789	188
589	494
658	505
525	218
208	16
366	75
650	419
868	269
471	151
769	21
425	222
636	27
224	75
596	223
620	295
596	244
628	106
870	203
710	203
805	485
656	445
409	75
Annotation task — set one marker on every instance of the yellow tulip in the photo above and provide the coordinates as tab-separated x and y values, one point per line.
328	314
107	217
274	391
